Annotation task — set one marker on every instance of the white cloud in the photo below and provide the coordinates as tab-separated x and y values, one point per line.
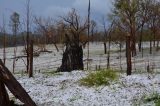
55	11
98	7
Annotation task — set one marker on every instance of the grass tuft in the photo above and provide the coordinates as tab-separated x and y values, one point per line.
98	78
154	97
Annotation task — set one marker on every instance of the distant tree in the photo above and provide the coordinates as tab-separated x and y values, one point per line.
46	26
93	27
143	18
89	25
105	35
109	31
125	13
153	22
15	26
28	32
3	29
29	40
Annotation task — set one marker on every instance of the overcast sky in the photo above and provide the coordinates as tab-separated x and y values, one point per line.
55	8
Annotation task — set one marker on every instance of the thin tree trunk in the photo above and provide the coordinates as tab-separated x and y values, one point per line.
28	31
4	41
88	34
128	53
142	49
133	39
15	48
108	57
154	39
56	47
31	59
105	48
150	46
140	40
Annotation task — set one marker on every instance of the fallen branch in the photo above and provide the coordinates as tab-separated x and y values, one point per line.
14	86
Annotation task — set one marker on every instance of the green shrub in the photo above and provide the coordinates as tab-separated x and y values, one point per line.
98	78
154	97
157	103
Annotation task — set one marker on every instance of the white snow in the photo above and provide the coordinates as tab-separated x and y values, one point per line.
64	89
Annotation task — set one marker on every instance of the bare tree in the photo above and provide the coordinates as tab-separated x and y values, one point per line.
46	26
28	31
29	42
4	40
153	22
105	35
143	16
126	12
89	9
15	26
93	27
109	43
73	54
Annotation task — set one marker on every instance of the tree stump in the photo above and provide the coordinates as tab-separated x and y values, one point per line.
72	58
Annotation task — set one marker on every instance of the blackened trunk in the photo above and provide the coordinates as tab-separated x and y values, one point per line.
140	40
150	46
105	48
108	56
31	59
128	53
72	58
4	98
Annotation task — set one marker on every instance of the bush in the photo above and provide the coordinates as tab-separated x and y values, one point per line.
154	97
98	78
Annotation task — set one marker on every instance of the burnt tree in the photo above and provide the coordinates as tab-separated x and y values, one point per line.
72	57
73	54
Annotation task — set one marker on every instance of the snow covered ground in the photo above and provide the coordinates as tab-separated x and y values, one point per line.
64	89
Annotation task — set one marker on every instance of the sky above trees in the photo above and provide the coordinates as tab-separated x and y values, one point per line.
55	8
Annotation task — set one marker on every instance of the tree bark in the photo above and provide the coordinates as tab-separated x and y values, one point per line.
108	54
105	48
140	40
31	59
72	58
150	46
128	53
14	86
4	98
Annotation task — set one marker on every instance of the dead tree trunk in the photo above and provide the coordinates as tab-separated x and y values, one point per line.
14	86
105	48
108	54
31	59
72	57
150	46
128	53
4	98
